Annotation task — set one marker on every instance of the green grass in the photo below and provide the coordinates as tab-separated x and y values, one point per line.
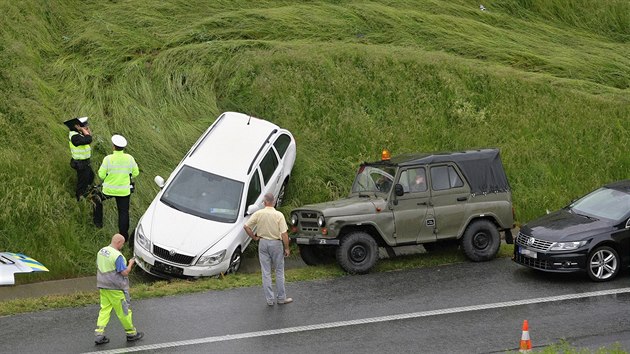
546	81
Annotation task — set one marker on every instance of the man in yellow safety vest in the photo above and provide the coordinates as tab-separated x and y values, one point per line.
116	172
113	285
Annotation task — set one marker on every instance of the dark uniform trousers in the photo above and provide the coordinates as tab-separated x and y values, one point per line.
85	176
122	204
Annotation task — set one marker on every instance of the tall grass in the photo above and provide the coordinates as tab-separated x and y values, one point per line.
545	81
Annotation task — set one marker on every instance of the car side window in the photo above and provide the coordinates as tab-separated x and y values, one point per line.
254	189
445	177
282	144
414	180
268	165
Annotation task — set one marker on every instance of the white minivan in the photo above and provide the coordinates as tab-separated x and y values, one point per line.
194	226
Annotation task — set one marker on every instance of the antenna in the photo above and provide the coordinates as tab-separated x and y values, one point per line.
250	118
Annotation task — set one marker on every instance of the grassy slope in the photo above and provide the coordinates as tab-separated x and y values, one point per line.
546	81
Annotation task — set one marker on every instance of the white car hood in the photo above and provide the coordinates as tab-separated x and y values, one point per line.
187	234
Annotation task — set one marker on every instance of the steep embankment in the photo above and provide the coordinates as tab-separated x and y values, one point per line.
545	81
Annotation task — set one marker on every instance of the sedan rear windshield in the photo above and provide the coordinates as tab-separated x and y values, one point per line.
204	194
604	203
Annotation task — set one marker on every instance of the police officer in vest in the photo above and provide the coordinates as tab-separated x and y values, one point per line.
80	138
117	171
113	285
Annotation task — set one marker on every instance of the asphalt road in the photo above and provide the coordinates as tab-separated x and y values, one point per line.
459	308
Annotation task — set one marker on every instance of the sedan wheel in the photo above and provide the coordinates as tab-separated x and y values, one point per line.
603	264
235	262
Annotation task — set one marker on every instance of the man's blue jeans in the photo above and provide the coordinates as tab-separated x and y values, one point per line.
271	254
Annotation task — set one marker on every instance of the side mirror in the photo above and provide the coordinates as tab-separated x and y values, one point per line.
398	189
252	209
628	224
159	181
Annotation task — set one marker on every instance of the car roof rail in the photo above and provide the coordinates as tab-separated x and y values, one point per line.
206	134
259	150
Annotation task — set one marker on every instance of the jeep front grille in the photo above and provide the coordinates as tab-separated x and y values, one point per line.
533	243
175	258
308	221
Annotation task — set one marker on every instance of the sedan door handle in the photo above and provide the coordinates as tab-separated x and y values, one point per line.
422	203
461	199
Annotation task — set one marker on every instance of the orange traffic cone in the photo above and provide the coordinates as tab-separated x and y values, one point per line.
526	343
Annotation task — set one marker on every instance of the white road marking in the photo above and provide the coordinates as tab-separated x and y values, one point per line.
366	321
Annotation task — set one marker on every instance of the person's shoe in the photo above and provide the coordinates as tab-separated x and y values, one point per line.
98	225
101	340
270	302
135	337
285	301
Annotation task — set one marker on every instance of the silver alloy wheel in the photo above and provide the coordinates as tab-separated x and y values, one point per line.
603	264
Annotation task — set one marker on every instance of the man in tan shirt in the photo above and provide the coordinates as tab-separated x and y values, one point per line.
273	246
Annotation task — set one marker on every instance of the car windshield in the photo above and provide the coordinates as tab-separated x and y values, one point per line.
204	194
374	179
604	203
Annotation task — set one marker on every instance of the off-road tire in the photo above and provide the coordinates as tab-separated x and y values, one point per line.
481	241
316	255
235	261
603	264
357	253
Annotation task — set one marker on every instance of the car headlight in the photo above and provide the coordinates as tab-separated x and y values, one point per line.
321	221
567	246
294	219
142	240
212	259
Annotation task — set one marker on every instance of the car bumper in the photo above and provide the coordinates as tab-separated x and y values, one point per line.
551	262
165	269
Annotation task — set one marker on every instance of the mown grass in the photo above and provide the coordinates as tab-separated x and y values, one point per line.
545	81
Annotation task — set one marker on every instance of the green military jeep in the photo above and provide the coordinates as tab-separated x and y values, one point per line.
408	200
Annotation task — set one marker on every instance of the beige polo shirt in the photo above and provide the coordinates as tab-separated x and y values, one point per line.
268	223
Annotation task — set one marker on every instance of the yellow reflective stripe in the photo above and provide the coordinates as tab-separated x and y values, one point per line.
111	186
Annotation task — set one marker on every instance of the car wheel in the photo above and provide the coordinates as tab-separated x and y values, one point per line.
357	253
481	241
282	192
235	261
603	264
316	255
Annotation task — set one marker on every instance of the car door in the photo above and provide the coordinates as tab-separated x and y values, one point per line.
449	195
271	172
413	216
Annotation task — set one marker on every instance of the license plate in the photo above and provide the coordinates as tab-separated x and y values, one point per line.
302	240
167	268
527	253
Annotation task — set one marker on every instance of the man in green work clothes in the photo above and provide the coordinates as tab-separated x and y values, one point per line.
113	285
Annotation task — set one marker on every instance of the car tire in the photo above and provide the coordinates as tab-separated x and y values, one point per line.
282	192
235	261
357	253
481	241
603	264
316	255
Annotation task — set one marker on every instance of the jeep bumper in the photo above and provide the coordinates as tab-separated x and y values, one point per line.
316	241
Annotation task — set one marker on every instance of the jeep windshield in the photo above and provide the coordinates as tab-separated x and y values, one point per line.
204	194
373	179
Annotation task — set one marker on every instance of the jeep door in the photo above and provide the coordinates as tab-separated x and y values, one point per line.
449	195
412	213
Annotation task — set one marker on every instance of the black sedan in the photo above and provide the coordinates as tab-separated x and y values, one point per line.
592	234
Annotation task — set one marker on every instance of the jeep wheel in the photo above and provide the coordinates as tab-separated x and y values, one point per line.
357	253
316	255
235	261
481	241
603	264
